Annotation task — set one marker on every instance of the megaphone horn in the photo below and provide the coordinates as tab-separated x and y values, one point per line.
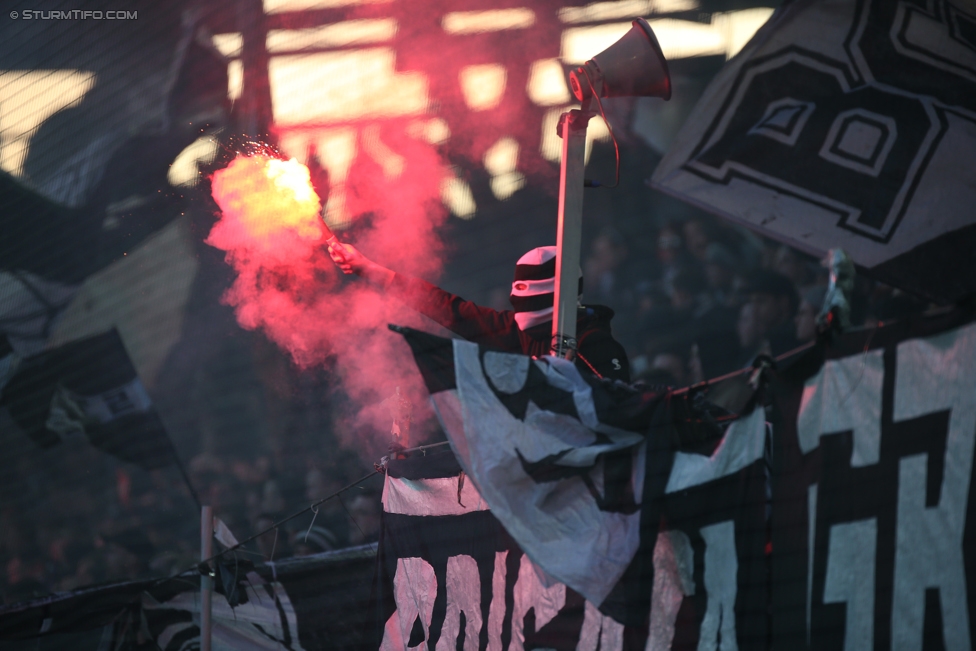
634	66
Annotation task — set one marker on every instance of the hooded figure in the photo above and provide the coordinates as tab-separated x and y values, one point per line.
526	329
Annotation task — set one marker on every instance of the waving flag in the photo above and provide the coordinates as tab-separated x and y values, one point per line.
851	124
593	481
89	389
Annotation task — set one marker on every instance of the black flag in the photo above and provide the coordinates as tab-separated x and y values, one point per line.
597	484
847	124
89	388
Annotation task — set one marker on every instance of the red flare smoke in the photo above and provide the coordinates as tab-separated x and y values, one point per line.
287	286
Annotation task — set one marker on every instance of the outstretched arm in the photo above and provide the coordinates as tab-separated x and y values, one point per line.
471	321
351	261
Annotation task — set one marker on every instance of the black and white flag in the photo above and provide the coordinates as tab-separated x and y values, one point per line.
310	603
590	480
264	621
851	124
88	388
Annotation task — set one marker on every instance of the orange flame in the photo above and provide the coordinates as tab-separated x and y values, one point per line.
267	196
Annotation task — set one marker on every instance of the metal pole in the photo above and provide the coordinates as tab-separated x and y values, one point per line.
206	581
569	233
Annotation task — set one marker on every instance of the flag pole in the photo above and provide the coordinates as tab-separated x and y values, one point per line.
569	228
206	581
184	474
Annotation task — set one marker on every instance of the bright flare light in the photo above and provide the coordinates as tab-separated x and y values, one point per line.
266	197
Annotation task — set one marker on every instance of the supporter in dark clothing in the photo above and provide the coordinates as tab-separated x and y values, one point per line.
705	321
811	303
671	255
526	330
721	266
774	301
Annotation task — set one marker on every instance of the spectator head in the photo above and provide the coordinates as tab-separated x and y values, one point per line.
365	510
672	364
720	266
806	315
747	328
791	264
658	377
774	300
671	356
272	499
697	238
669	244
688	284
314	541
649	298
607	253
318	485
608	250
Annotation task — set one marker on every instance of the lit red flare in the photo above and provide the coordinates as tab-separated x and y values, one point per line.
267	196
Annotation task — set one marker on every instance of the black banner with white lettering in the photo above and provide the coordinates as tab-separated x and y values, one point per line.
613	531
872	524
450	577
836	517
839	517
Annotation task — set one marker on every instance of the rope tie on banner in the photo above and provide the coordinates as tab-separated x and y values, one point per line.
728	376
424	448
312	524
397	452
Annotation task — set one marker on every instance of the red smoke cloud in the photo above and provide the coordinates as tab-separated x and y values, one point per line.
288	287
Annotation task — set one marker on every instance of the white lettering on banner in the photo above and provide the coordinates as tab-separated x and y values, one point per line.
721	575
850	578
496	610
674	579
414	590
530	594
599	631
934	374
463	595
845	395
119	401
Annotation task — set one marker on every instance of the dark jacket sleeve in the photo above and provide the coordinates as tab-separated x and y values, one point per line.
604	354
481	325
